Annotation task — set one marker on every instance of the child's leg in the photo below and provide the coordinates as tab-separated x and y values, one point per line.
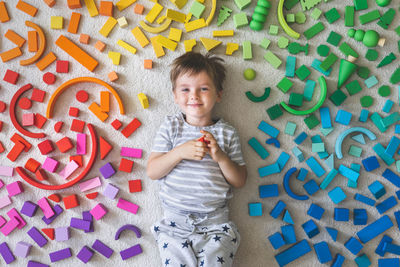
175	251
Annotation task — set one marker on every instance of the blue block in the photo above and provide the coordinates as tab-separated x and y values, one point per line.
255	209
268	129
323	155
315	167
397	216
310	228
337	195
316	139
290	66
391	248
348	173
258	148
309	90
268	190
360	216
311	187
391	177
288	234
392	146
353	245
323	252
283	159
374	229
316	64
386	205
362	261
273	141
379	249
377	189
332	232
397	129
294	252
338	262
341	214
343	117
364	114
276	240
325	117
380	151
269	169
388	106
370	163
300	138
315	211
287	218
391	262
277	210
302	174
355	167
298	154
364	199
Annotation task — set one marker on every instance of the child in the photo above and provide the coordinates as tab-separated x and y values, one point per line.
196	160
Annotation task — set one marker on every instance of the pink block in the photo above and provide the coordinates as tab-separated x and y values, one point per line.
81	144
9	226
131	152
6	171
13	213
28	119
1	184
69	169
128	206
15	188
2	221
5	201
45	207
50	164
98	211
90	184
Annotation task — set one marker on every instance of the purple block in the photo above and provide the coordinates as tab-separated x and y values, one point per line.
37	236
60	254
29	209
22	249
36	264
107	170
87	216
130	252
62	233
80	224
57	211
85	254
102	248
111	191
6	253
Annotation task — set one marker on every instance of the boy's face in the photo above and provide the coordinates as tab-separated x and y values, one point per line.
196	96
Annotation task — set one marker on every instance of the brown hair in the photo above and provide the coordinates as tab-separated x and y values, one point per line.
194	63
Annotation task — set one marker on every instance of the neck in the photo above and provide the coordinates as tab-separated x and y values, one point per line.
199	121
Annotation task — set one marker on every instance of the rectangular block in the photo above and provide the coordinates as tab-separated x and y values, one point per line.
69	169
45	207
60	254
268	129
6	171
294	252
6	253
131	152
127	206
374	229
80	224
90	184
102	248
37	236
81	144
315	166
57	210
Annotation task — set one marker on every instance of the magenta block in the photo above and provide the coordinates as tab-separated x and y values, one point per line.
15	188
85	254
1	183
45	207
9	226
128	206
81	144
62	233
58	210
98	211
2	221
50	164
131	152
22	249
13	213
111	191
29	209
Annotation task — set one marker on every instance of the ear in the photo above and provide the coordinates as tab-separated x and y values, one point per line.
219	96
175	97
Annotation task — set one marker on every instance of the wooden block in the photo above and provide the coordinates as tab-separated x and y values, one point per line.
106	8
96	110
32	41
108	26
73	112
84	38
116	124
91	7
115	57
62	66
139	9
56	22
26	8
64	144
1	145
126	46
131	127
157	48
105	101
122	4
41	175
148	64
10	54
154	12
46	61
167	43
72	4
28	119
140	37
38	95
50	3
32	165
3	12
144	101
74	22
112	76
11	77
122	22
40	120
15	38
99	45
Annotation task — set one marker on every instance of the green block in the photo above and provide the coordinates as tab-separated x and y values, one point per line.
363	72
377	120
338	97
272	59
371	55
370	16
274	112
353	87
296	99
316	13
384	91
224	14
334	38
332	15
397	30
383	24
240	19
326	131
318	147
290	18
265	43
197	9
355	151
288	4
346	49
366	101
273	29
283	42
290	128
242	4
323	50
349	16
303	72
314	30
360	4
247	52
395	78
398	45
311	121
388	17
285	84
328	62
300	17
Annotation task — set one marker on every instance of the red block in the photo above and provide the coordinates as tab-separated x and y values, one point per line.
25	103
41	175
40	120
131	127
1	126
11	76
49	232
116	124
92	195
38	95
45	147
73	112
32	165
58	126
49	78
70	202
1	147
126	165
55	197
78	159
3	106
135	186
62	66
82	96
77	126
15	151
64	144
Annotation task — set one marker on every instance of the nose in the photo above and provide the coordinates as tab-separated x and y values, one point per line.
194	95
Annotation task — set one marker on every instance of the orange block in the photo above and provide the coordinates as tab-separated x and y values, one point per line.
139	9
3	12
15	38
148	64
72	4
32	41
84	38
113	76
74	22
106	8
105	101
76	52
46	61
27	8
99	45
96	110
10	54
105	147
50	3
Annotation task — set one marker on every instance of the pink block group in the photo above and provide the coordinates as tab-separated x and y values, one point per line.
28	119
9	226
50	164
13	214
15	188
98	211
2	221
128	206
81	144
131	152
69	169
6	171
90	184
1	183
45	207
5	201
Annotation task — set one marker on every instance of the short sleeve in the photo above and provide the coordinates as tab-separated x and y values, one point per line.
235	150
163	140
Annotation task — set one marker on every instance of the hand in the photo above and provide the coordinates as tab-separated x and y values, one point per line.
192	150
213	148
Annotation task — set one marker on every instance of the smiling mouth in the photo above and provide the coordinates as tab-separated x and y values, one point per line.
194	105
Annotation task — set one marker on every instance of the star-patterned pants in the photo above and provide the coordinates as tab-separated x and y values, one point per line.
194	240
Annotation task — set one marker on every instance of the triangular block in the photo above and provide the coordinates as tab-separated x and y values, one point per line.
332	232
287	218
92	195
209	43
105	148
78	159
359	138
49	232
55	197
346	69
330	161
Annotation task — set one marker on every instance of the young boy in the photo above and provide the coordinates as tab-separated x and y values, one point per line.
196	160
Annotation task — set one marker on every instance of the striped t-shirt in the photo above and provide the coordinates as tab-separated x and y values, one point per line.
196	185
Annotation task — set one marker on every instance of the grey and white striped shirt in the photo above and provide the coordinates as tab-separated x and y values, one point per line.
196	186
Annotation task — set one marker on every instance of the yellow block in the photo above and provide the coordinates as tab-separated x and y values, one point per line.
122	22
96	110
108	26
189	44
56	22
230	48
195	24
176	15
154	12
175	34
140	37
122	4
105	101
158	49
143	100
188	17
224	33
161	19
167	43
126	46
91	7
209	43
200	1
179	3
115	57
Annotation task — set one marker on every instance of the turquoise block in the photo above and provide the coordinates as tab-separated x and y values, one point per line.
309	90
337	195
256	145
290	66
315	167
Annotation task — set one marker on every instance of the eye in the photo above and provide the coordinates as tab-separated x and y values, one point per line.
204	89
185	90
